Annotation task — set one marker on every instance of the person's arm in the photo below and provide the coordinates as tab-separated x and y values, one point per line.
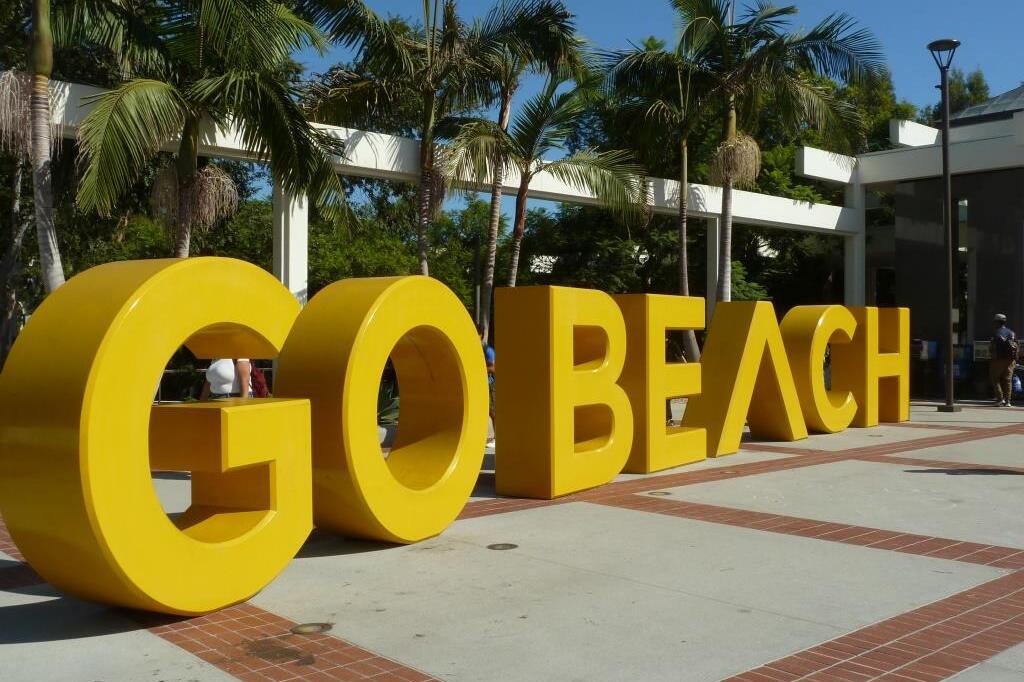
244	372
205	393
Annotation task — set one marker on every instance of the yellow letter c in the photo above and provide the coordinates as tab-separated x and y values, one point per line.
806	333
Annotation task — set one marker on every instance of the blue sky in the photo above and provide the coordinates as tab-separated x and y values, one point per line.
990	31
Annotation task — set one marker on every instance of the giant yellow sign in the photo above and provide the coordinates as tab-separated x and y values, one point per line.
581	390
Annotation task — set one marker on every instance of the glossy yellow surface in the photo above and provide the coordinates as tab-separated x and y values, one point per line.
563	423
807	331
650	380
75	444
747	378
335	356
875	367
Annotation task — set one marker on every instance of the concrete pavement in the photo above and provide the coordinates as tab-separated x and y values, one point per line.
893	553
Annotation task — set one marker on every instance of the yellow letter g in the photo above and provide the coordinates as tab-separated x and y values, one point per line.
78	431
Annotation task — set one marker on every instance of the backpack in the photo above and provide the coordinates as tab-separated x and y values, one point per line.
1007	346
259	383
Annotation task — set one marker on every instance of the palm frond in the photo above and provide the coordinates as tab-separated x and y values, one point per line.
801	101
546	120
132	30
612	176
274	128
540	32
476	145
351	24
254	34
122	132
346	96
763	19
836	48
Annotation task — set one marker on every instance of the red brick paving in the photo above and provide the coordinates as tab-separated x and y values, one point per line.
254	645
931	643
876	538
937	427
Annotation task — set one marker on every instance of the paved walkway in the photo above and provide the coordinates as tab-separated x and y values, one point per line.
894	554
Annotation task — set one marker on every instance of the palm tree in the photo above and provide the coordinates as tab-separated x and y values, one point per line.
543	125
756	58
446	64
223	63
669	91
550	45
27	130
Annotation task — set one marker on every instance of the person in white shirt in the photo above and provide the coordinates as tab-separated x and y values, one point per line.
227	378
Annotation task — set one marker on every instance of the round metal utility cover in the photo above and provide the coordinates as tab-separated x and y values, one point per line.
311	628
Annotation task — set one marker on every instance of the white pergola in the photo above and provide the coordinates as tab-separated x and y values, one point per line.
389	157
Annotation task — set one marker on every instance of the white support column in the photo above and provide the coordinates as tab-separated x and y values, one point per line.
855	251
711	278
291	241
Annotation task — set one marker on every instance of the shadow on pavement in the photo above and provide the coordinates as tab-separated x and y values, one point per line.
321	543
967	472
485	485
60	618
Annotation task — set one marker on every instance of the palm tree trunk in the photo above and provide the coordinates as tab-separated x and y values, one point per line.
689	336
426	203
725	243
519	231
423	219
42	172
187	166
497	181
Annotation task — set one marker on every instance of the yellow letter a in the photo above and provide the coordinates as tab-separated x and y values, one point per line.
748	378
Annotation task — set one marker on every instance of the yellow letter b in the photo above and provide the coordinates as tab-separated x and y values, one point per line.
563	424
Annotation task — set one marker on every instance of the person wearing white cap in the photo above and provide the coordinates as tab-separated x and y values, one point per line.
1002	360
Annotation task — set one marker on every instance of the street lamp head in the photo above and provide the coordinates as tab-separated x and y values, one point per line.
943	51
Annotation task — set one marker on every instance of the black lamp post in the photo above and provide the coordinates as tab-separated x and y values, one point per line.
943	51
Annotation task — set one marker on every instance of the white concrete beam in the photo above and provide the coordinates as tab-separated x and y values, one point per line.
911	134
826	166
396	158
971	156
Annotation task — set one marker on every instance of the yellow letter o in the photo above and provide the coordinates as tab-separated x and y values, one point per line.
335	356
